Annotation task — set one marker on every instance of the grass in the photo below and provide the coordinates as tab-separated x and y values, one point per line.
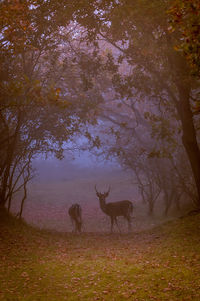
160	264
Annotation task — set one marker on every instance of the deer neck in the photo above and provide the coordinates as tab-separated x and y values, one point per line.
103	205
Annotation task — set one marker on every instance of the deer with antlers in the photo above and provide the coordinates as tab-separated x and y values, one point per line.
115	209
75	213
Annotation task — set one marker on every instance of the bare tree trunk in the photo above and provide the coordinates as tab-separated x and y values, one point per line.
177	202
10	154
189	135
168	202
151	204
26	179
9	202
22	201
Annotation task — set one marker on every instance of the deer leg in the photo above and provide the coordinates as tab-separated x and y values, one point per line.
129	223
111	225
73	228
79	224
117	225
76	227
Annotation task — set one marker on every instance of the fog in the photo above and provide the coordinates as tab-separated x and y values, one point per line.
60	183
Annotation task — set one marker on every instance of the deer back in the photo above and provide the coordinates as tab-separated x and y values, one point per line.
120	208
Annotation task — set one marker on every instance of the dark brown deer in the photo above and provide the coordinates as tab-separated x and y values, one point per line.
115	209
75	213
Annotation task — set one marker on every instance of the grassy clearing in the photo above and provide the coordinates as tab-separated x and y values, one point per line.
161	264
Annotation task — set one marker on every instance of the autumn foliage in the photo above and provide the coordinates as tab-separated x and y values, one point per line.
185	20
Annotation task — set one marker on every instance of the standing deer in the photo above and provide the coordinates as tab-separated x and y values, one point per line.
75	213
114	209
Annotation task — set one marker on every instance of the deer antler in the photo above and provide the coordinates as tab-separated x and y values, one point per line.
96	189
108	190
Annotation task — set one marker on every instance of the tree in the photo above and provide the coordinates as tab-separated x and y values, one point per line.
43	101
185	19
153	153
139	33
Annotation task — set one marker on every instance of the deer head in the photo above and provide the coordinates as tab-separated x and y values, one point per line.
102	196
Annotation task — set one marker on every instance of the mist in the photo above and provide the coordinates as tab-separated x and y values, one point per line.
60	183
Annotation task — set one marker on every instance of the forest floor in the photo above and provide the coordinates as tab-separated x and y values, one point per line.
159	264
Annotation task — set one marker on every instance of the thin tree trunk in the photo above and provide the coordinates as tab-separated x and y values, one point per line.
22	202
10	150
